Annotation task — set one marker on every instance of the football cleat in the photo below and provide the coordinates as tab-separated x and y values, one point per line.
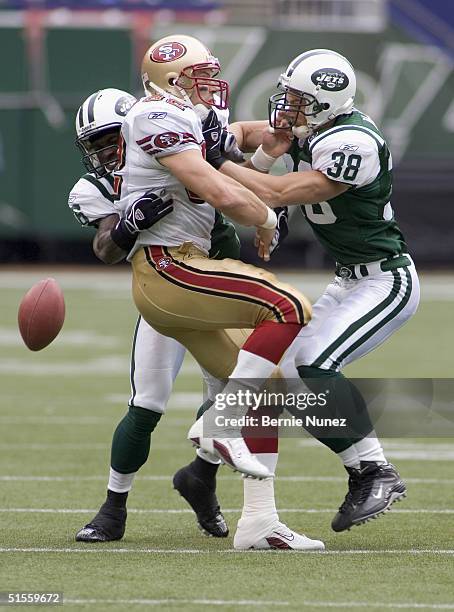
108	525
201	496
371	491
280	537
232	451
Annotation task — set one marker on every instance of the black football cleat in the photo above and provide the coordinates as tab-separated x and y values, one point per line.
201	496
371	491
108	525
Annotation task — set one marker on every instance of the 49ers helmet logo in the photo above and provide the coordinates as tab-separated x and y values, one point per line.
168	52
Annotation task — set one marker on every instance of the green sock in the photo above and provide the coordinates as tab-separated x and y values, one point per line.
343	401
203	408
132	438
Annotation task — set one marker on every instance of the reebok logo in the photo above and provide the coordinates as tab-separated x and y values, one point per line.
348	147
138	215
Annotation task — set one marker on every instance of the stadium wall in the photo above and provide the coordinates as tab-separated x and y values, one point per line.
50	64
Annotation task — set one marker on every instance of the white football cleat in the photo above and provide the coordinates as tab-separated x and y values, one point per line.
279	537
232	451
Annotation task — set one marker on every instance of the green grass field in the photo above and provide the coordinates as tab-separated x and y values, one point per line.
59	408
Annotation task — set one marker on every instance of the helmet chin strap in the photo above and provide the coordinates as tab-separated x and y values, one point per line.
164	92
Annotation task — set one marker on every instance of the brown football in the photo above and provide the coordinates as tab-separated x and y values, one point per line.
41	314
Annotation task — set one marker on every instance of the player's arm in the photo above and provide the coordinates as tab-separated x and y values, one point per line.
104	247
248	134
308	187
116	236
221	191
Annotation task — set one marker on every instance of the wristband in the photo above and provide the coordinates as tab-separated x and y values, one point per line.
122	237
271	220
261	160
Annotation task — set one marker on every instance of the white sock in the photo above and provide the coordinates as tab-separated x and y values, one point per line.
370	449
259	506
250	365
349	457
269	460
120	483
259	501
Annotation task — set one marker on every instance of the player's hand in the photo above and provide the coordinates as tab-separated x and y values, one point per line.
277	142
146	211
141	215
230	149
281	231
263	240
212	134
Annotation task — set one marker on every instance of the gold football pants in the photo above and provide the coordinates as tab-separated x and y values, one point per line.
208	305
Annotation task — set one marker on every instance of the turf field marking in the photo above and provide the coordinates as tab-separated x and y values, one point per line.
64	446
255	602
102	477
224	510
111	365
163	602
198	551
54	420
437	287
11	337
181	400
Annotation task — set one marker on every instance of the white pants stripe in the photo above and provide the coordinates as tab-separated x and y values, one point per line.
384	302
155	363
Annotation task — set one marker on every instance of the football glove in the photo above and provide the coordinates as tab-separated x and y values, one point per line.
212	134
230	149
141	215
281	232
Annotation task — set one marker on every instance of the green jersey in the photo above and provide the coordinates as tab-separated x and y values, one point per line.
224	239
357	226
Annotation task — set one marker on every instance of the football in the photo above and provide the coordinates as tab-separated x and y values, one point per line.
41	314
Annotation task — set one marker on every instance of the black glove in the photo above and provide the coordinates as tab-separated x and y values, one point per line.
281	228
141	215
230	149
212	134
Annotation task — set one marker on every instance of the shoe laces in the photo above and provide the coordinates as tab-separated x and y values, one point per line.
354	488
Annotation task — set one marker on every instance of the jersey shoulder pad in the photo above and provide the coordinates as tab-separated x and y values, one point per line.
348	154
91	199
166	127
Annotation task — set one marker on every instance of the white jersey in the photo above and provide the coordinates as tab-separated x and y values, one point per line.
155	127
92	199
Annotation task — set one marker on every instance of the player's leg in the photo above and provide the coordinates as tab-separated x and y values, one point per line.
376	475
196	482
369	311
155	363
186	295
259	526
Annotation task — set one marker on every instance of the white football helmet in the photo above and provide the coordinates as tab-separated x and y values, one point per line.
172	66
319	84
98	124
